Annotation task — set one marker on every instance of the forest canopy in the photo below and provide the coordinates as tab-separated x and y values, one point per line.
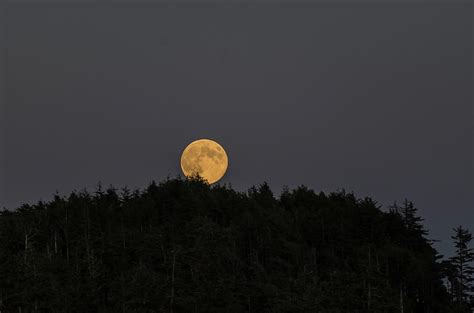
184	246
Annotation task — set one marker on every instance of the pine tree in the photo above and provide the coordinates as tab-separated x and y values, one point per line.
412	221
463	271
184	246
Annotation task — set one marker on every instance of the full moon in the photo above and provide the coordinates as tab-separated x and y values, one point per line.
205	158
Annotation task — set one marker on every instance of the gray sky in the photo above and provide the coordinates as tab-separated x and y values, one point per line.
376	99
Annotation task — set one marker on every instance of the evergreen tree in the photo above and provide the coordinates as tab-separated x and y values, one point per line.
183	246
462	271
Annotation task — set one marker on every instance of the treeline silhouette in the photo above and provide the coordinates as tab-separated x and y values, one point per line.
182	246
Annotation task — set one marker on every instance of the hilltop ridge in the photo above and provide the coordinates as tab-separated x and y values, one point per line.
184	246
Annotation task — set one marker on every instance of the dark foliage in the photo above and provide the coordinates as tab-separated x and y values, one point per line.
184	246
461	271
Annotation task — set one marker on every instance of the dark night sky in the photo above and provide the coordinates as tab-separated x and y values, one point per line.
376	99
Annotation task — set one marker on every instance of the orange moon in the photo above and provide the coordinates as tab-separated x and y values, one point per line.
205	158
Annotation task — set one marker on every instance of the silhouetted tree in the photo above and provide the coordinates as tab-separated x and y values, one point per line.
181	245
461	271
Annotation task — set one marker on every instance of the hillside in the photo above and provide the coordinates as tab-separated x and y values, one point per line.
184	246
